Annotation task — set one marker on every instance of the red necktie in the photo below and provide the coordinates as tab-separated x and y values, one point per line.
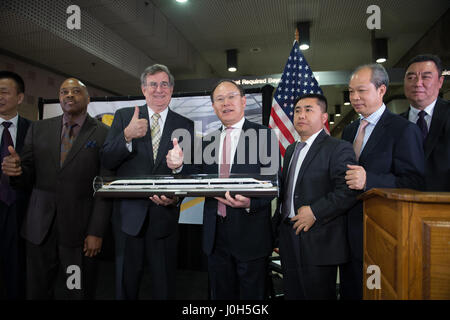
224	171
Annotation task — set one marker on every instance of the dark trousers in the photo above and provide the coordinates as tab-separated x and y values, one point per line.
161	256
351	280
12	253
45	260
230	278
301	280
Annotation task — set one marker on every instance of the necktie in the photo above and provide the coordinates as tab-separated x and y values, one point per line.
357	145
156	133
224	171
67	141
7	194
422	124
290	183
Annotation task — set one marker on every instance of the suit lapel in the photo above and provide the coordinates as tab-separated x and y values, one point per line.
22	128
315	147
54	139
147	139
440	114
86	131
245	127
376	134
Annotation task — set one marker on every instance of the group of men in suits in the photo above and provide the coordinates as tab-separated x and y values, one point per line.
318	220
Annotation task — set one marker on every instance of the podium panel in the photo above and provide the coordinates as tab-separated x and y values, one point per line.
407	235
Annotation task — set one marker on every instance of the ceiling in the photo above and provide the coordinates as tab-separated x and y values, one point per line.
118	39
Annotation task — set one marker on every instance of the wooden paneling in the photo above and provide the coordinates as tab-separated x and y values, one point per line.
407	234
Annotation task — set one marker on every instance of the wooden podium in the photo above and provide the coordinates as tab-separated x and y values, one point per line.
407	234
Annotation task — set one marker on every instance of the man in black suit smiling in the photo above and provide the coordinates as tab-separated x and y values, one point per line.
139	144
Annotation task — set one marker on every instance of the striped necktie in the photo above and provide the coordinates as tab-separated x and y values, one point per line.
156	133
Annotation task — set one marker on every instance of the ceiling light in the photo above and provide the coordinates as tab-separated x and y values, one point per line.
181	1
232	60
337	110
331	119
346	98
380	50
303	32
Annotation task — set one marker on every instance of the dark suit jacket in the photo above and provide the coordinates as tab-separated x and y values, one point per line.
63	193
393	158
321	185
250	233
22	195
437	148
163	220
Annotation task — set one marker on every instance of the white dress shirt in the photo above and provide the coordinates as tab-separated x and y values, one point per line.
301	157
161	121
12	128
373	120
413	115
235	134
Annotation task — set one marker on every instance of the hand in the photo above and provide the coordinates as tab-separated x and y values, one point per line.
237	202
92	246
163	200
174	157
304	219
137	128
11	164
355	177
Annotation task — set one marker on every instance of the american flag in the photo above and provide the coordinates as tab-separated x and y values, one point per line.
297	80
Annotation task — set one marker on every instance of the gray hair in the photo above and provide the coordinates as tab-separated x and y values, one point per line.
155	69
379	74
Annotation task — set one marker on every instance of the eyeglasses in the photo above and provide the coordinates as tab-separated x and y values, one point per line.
162	84
231	97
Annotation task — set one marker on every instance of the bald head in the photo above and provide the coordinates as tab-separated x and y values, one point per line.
73	97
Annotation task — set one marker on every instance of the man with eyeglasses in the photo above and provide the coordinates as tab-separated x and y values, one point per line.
139	144
237	236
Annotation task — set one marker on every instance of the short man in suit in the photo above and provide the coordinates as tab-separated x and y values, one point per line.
13	204
423	79
237	237
140	144
64	224
311	222
389	153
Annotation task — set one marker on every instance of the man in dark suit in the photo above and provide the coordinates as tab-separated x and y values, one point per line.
13	204
389	153
423	79
64	224
133	149
314	198
237	235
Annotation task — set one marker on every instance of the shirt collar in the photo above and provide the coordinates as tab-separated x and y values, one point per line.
374	117
429	109
14	121
163	113
311	139
237	125
79	120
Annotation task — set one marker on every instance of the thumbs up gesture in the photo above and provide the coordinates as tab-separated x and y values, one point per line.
11	164
174	157
137	128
